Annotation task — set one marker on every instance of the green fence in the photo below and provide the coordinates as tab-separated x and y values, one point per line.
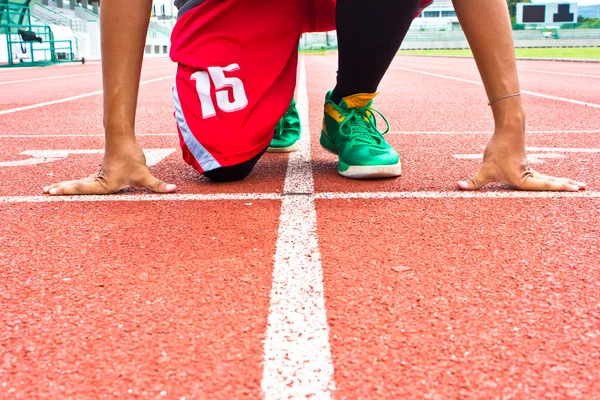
30	44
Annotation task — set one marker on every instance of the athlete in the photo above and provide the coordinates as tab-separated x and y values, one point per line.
236	76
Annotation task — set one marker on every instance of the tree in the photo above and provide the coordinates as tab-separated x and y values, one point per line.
512	7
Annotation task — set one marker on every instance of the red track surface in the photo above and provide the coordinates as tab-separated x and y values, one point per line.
425	297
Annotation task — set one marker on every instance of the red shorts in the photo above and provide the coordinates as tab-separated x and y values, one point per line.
424	4
236	74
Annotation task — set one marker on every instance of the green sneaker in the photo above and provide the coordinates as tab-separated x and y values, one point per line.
350	131
287	132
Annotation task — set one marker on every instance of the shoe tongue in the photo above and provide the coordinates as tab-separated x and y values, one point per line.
359	100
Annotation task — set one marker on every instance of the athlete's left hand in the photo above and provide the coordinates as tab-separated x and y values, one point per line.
505	161
123	166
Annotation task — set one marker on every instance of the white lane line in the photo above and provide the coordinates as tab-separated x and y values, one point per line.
141	197
545	96
559	73
79	135
392	132
81	96
563	149
509	194
153	156
531	158
477	132
66	135
473	65
297	358
47	78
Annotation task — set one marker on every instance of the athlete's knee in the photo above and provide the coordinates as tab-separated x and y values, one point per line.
234	173
227	175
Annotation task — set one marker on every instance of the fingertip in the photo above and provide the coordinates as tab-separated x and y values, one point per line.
46	189
464	185
53	191
573	188
170	188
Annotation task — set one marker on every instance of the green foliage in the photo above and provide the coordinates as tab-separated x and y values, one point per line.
512	6
588	23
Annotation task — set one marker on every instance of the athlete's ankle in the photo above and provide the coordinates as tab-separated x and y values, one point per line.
339	93
509	115
336	96
512	125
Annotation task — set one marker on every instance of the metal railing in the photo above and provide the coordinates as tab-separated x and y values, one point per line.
30	44
50	16
14	13
39	49
92	15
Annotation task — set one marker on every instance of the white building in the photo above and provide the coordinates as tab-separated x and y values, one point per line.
164	12
440	16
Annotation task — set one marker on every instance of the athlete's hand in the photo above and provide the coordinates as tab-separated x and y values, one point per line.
504	161
120	169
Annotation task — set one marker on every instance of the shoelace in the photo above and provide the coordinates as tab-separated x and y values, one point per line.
360	130
288	120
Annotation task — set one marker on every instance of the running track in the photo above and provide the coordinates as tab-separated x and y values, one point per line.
297	282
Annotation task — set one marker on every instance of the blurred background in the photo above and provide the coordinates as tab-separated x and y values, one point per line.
42	32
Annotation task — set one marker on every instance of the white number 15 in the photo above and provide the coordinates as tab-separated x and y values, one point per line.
221	82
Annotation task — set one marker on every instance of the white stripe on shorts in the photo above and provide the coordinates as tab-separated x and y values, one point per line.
204	158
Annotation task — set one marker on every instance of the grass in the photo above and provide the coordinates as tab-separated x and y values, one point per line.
553	52
318	52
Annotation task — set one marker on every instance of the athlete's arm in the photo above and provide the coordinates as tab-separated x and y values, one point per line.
487	27
123	27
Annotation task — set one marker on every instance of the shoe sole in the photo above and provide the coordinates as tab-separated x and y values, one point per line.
288	149
369	171
372	171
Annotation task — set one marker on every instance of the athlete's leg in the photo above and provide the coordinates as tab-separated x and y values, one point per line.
369	36
487	27
235	172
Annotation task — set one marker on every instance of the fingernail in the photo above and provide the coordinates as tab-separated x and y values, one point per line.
170	188
46	188
52	191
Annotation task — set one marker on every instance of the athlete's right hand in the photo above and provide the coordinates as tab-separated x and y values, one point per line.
120	169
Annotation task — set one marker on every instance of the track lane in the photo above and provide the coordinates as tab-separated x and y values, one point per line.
11	74
462	299
151	300
28	180
365	300
83	116
33	94
533	79
459	298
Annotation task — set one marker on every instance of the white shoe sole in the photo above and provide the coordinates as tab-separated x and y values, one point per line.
288	149
372	171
